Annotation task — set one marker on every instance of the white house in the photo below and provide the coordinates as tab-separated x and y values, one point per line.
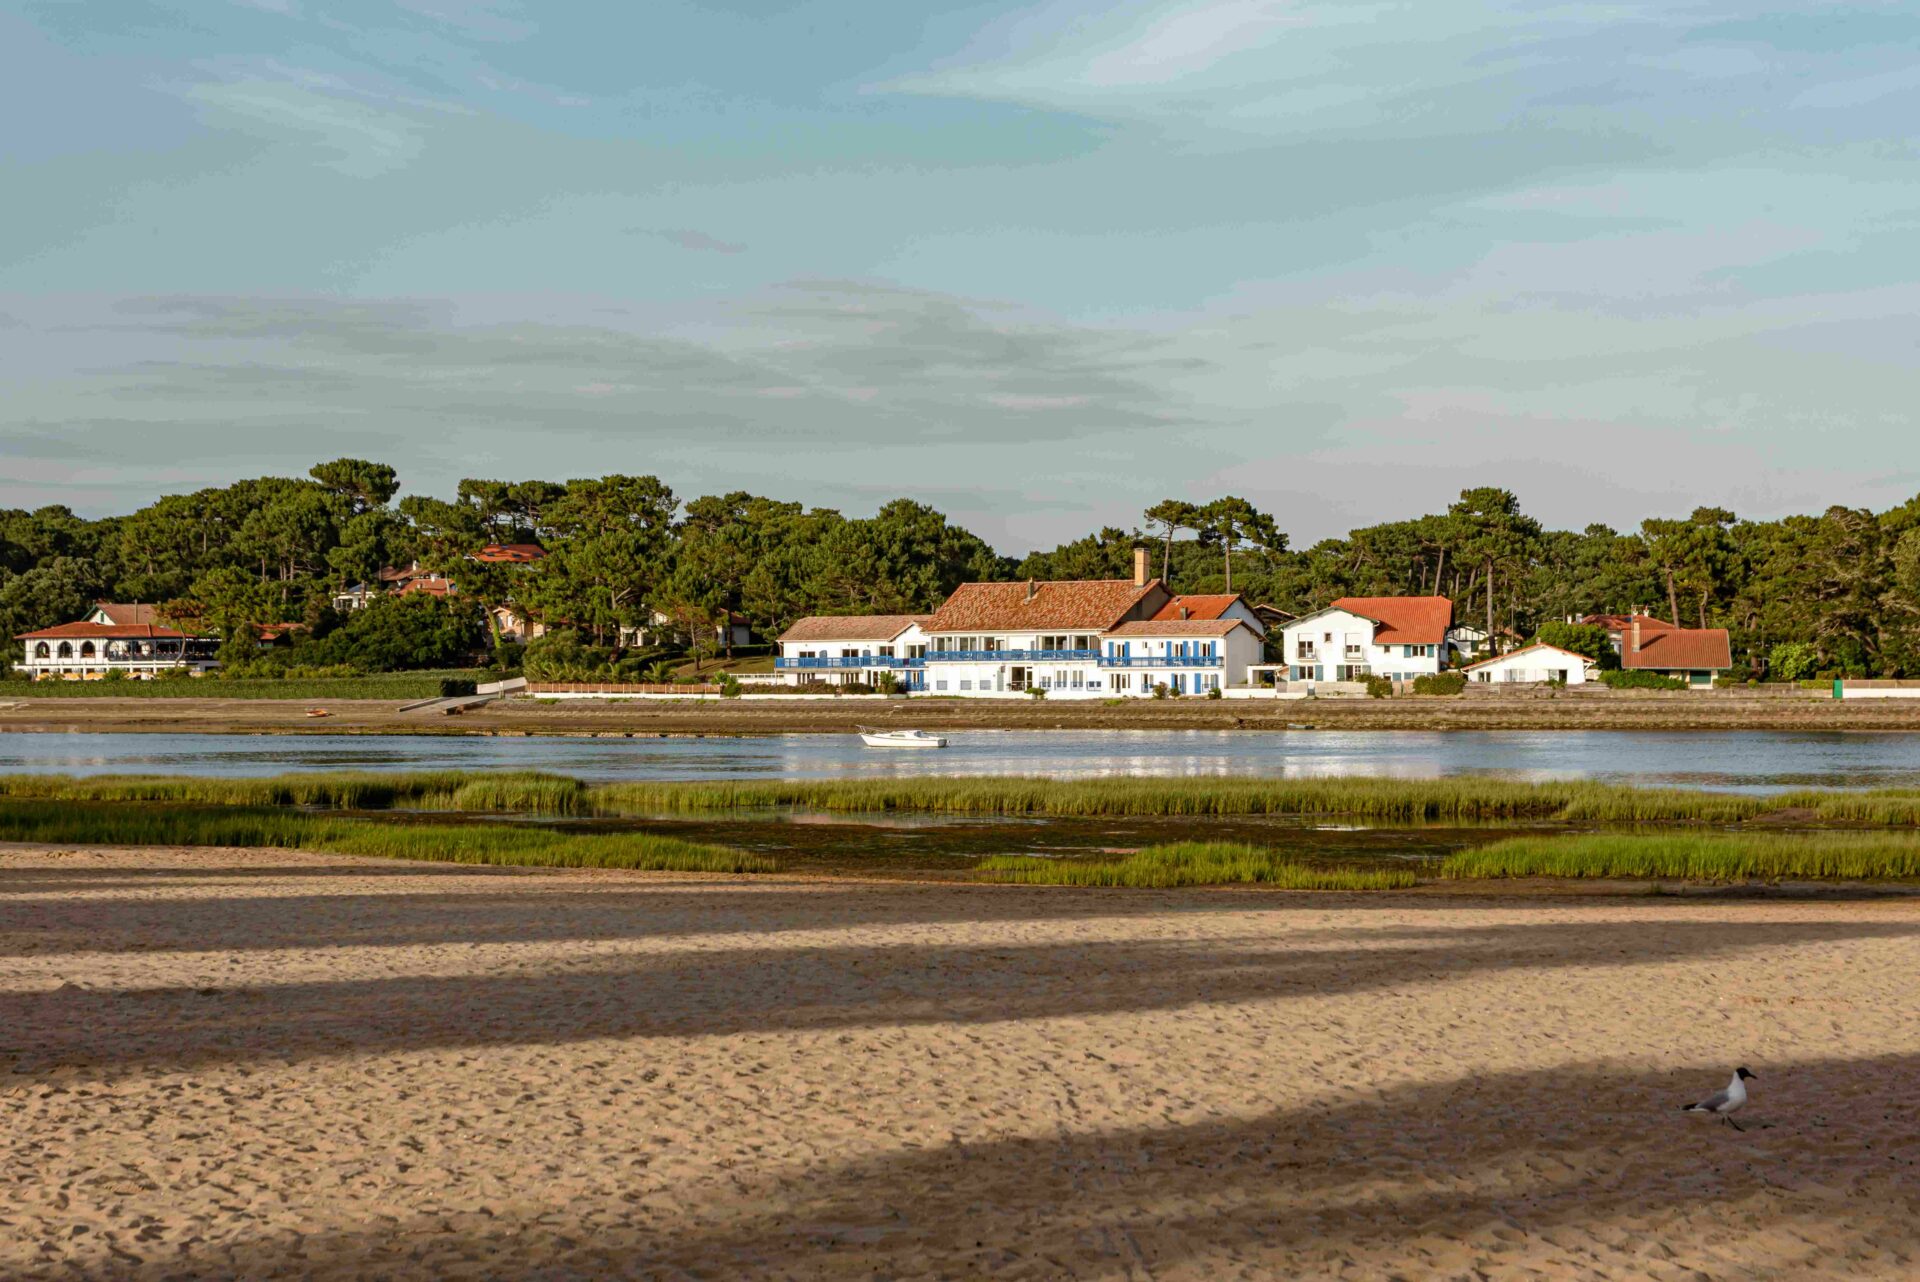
95	646
1079	638
1358	637
1534	664
853	650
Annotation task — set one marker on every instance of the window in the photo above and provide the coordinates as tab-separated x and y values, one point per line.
966	685
66	650
884	651
41	651
940	685
916	652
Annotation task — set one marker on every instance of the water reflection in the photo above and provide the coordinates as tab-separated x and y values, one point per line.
1740	760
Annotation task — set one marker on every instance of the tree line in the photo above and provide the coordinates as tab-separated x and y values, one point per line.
1838	591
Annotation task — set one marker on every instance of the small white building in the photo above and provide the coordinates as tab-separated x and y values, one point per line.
853	649
1535	665
1360	637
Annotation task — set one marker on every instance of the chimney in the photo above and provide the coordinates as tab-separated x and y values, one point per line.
1633	646
1141	559
1185	613
1031	590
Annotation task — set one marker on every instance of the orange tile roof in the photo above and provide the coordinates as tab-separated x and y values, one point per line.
510	554
1403	620
1159	627
1198	607
851	627
1071	605
1664	646
109	631
430	584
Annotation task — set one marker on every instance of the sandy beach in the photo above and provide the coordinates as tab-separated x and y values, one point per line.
263	1064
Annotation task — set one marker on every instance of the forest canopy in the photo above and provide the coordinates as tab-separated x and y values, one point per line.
1835	591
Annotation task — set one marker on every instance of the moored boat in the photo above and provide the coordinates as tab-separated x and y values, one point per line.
900	738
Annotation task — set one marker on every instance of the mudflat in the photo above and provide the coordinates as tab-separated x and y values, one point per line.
269	1064
1476	710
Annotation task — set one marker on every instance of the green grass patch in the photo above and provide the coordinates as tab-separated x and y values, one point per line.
385	685
1189	863
121	824
1747	856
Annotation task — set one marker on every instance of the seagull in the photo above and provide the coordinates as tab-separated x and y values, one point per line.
1724	1104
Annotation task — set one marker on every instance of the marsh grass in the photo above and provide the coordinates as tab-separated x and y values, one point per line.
1189	863
121	824
1382	800
1745	856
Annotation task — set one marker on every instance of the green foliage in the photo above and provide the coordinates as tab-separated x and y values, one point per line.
1696	856
398	634
1792	661
1379	687
1036	693
1162	690
887	684
1637	680
457	687
1189	863
120	824
1440	683
1214	693
1589	639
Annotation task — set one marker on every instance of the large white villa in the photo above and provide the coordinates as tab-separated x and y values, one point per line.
1400	637
1073	639
114	638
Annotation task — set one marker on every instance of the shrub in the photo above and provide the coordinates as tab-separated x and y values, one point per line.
1160	691
1036	693
1214	693
457	687
888	684
1441	683
729	686
1621	679
1792	660
1379	687
114	674
852	687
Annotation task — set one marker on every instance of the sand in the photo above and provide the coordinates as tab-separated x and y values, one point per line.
261	1064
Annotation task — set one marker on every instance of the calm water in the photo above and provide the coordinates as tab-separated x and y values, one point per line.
1748	761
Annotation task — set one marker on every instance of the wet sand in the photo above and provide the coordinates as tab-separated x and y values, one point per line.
1478	710
264	1064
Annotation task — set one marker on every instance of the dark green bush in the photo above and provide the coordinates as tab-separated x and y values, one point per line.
1379	687
1440	683
457	687
1621	679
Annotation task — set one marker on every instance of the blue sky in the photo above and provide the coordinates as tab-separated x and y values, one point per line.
1040	264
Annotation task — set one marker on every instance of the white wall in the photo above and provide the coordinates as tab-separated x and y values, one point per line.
1534	667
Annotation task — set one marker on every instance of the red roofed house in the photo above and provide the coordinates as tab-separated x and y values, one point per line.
1084	637
98	644
1694	655
1357	637
509	554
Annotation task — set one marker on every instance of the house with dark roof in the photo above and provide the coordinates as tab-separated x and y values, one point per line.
1356	637
1693	655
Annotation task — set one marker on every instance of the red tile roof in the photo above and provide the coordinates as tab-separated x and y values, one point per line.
851	627
118	612
1403	620
1072	605
510	554
96	631
432	585
1664	646
1159	627
1198	607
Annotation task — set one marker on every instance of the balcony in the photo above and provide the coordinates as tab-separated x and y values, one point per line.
848	661
1163	661
1011	656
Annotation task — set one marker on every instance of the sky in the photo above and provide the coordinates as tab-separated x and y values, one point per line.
1038	263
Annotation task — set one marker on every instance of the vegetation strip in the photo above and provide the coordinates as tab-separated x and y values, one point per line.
1376	799
121	824
1190	863
1822	856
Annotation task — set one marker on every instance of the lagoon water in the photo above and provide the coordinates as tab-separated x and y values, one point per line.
1740	760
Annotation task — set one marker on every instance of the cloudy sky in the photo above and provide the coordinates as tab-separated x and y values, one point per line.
1037	262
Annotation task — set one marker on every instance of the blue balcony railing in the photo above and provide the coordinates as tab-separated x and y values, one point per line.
849	661
1162	661
1011	656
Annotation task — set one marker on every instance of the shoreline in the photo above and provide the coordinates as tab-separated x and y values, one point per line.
1692	711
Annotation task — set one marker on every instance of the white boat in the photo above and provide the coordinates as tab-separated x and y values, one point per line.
900	738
